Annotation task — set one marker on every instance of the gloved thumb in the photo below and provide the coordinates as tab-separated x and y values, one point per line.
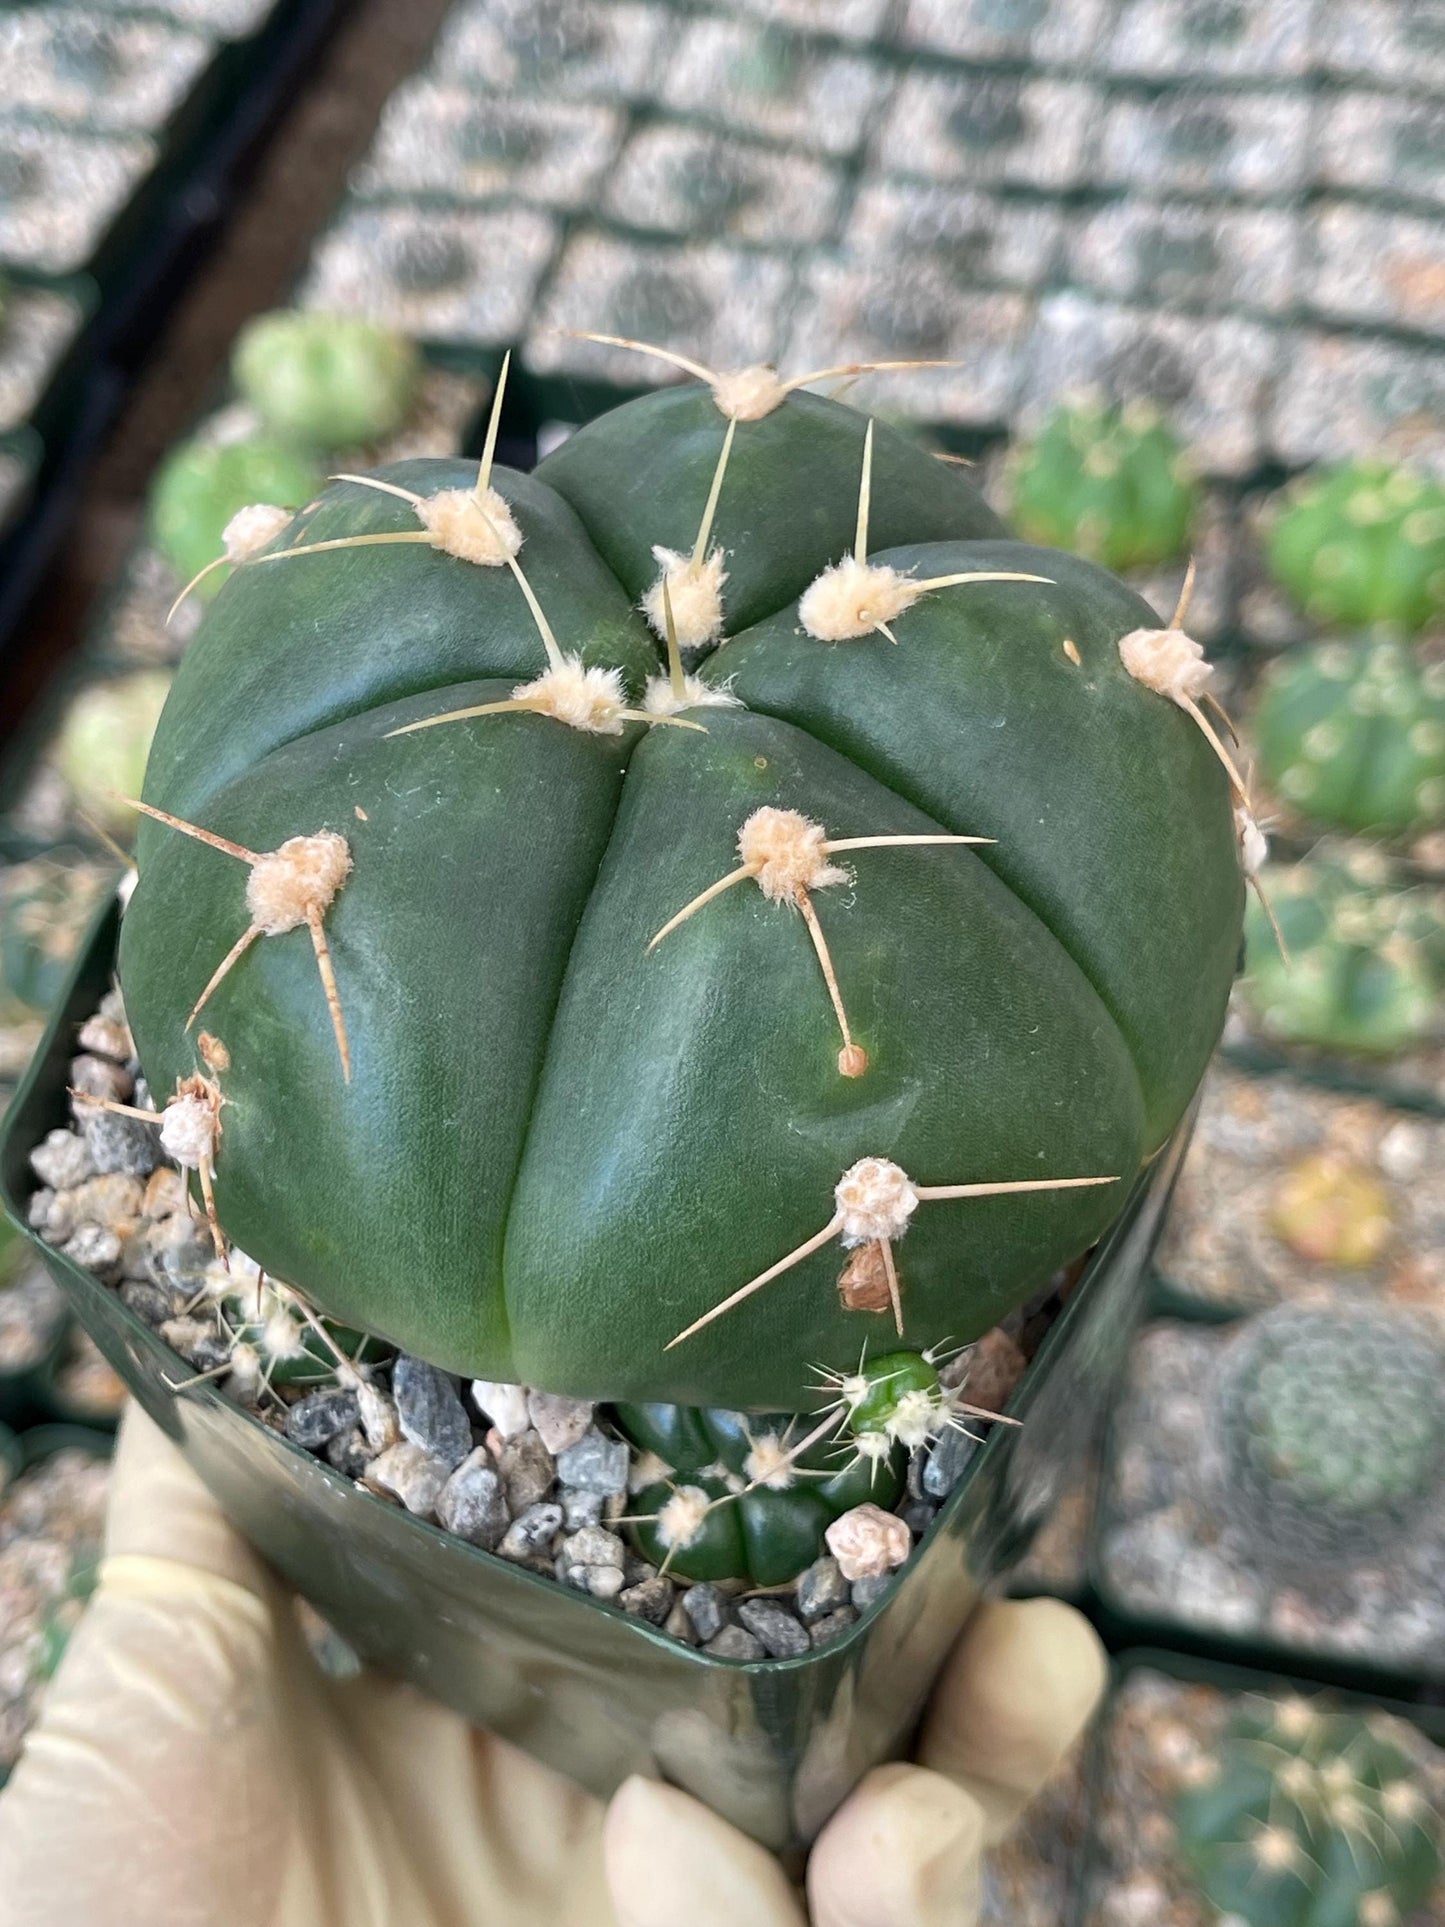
669	1860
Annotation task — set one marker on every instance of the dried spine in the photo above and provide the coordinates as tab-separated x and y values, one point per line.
787	855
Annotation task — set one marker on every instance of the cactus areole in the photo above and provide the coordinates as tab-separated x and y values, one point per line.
664	1030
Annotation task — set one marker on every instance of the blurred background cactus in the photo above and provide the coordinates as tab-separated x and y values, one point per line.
1351	735
1364	958
1362	545
324	381
1113	484
1308	1817
202	484
1333	1428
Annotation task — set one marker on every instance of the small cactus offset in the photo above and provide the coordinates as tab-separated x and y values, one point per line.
1307	1816
1363	546
736	1498
324	381
1113	484
1363	963
686	916
1333	1427
1352	735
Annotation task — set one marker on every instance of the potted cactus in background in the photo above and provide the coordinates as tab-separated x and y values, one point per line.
712	928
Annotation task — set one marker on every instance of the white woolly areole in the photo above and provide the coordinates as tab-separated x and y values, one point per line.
590	699
482	531
916	1417
661	699
768	1463
286	885
681	1519
188	1131
786	853
873	1445
749	393
251	529
245	1362
867	1542
695	591
850	598
875	1200
282	1335
1378	1909
1166	661
1253	843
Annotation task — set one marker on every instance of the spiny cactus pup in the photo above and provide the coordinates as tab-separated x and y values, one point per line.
1352	736
1304	1816
1363	545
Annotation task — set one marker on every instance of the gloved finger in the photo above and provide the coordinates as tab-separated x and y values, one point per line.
159	1509
154	1787
903	1850
672	1863
1012	1701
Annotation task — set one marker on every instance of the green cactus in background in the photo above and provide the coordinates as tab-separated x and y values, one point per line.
45	906
445	856
1364	961
1304	1816
1110	483
1352	735
1363	545
201	485
1333	1426
104	739
325	381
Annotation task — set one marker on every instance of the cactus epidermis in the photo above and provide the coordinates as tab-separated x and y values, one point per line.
559	1150
1305	1816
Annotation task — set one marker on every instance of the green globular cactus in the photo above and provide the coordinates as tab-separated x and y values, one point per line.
1113	484
325	381
1307	1816
444	849
202	485
273	1342
1363	545
1333	1427
1363	962
1352	735
103	741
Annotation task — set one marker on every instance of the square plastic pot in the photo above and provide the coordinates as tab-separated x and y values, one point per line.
596	1693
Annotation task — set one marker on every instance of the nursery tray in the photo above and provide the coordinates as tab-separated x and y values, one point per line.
774	1745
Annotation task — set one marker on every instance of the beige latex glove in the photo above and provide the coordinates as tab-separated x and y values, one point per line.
192	1765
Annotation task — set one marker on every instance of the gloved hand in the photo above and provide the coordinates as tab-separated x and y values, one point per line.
193	1765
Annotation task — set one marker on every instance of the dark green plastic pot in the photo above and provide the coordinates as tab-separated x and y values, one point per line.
9	1458
773	1746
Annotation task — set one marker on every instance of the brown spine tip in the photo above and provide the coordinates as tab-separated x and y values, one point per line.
852	1060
